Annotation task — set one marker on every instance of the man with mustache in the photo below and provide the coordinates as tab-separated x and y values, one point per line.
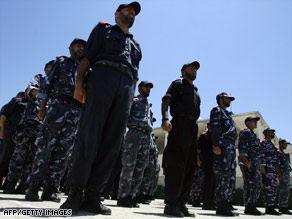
114	57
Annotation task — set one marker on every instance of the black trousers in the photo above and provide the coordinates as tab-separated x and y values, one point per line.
208	186
102	123
179	161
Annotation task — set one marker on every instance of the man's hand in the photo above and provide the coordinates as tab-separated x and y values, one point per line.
42	113
247	164
166	125
217	150
280	176
263	169
80	93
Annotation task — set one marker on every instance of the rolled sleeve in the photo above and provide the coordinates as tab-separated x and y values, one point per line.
243	144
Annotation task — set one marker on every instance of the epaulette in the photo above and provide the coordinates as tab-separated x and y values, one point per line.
59	57
203	133
177	80
264	139
245	128
215	106
278	150
135	96
102	22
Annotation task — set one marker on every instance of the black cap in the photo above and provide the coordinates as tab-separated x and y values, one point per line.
77	40
251	118
135	5
223	94
268	129
145	83
195	63
49	63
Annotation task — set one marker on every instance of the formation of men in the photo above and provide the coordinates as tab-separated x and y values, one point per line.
92	93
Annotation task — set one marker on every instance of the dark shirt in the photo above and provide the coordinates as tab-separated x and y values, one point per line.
13	111
184	99
222	125
206	150
269	154
60	79
107	42
248	145
141	115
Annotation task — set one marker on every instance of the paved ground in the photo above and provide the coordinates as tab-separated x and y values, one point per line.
154	210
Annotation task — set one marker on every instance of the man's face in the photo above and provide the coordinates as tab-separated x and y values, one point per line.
252	124
76	50
283	145
127	16
226	101
190	72
144	90
271	134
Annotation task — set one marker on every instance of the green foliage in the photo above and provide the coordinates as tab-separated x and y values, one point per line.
159	192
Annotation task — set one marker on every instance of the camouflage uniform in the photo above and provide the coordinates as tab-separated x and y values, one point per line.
270	160
284	185
154	183
197	186
249	147
135	156
149	172
57	135
26	133
223	136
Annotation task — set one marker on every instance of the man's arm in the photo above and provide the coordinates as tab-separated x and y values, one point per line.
3	119
245	161
80	93
166	125
42	111
34	92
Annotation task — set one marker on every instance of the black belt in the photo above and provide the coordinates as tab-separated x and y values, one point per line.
141	130
117	66
68	99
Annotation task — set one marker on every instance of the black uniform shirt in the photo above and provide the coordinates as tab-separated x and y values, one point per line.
107	42
184	99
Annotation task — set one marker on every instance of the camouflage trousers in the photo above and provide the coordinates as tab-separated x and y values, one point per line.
252	184
284	190
197	186
269	181
21	161
225	171
148	176
154	183
135	158
55	141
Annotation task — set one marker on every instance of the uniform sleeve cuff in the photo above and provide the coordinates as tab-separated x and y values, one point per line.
243	154
43	96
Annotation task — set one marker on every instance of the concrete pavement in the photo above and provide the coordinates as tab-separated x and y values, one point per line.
154	210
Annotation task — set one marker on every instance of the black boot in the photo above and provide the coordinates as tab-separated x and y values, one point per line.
208	206
185	211
49	193
92	203
196	203
10	188
143	199
272	210
74	200
135	202
173	211
284	211
224	209
21	188
252	210
33	190
125	202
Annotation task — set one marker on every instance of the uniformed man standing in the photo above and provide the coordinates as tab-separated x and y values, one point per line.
249	152
56	138
135	156
284	185
223	138
270	170
179	157
114	57
205	148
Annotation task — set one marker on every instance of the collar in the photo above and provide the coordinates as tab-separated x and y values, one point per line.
117	28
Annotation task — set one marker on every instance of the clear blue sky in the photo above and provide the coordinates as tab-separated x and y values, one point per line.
244	47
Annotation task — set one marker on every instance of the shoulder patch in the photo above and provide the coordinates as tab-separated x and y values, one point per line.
203	133
102	22
60	56
245	128
278	150
215	106
135	96
264	139
177	80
